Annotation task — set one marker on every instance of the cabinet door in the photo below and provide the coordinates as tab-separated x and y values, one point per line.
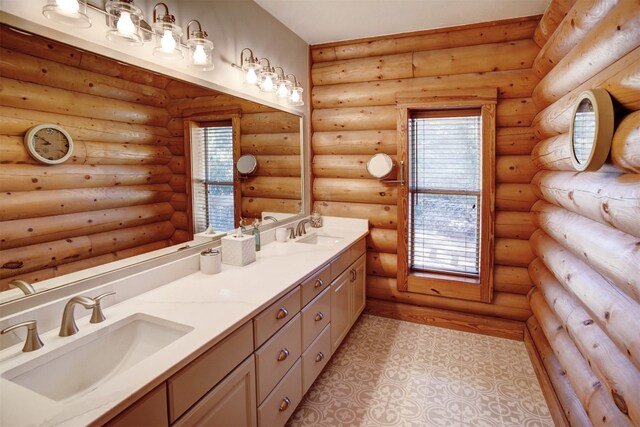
358	287
150	410
230	403
340	309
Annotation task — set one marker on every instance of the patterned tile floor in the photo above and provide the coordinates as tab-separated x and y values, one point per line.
393	373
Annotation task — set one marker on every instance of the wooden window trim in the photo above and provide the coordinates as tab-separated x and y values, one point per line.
446	285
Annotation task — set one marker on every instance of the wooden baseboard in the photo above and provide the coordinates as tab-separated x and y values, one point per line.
484	325
555	407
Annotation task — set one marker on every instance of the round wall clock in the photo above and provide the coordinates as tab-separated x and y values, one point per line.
49	143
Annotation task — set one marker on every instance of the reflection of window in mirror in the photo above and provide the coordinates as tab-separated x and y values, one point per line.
584	131
212	175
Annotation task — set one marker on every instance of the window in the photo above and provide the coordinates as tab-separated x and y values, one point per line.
212	175
445	226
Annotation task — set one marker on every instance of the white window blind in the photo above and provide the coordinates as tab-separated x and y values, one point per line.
444	191
212	176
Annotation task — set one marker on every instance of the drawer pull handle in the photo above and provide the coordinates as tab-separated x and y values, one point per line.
284	405
319	356
284	353
282	313
319	316
319	283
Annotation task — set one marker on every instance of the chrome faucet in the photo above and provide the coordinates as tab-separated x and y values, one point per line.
300	230
68	326
33	341
23	285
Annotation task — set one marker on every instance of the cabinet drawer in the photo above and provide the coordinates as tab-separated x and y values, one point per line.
315	358
150	410
339	264
196	379
276	316
232	402
358	248
315	317
278	354
280	404
315	284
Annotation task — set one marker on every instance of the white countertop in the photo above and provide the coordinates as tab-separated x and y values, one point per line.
214	305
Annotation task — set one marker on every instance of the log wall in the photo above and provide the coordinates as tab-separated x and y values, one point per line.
586	300
354	116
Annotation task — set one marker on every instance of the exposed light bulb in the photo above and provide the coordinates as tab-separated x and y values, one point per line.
68	6
283	90
251	77
125	24
167	42
267	84
295	96
199	55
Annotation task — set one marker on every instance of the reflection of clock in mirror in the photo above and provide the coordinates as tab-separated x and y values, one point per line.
49	143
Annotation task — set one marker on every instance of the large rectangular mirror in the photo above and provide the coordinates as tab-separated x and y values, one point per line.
127	188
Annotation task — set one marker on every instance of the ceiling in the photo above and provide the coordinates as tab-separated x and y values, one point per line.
323	21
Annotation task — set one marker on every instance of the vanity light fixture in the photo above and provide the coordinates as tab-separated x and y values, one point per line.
250	66
295	98
167	34
124	22
70	12
284	85
200	49
268	78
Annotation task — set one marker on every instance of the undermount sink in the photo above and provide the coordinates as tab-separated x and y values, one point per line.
89	361
319	239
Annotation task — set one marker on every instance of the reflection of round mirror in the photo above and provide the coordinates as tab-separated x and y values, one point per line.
247	164
380	165
591	130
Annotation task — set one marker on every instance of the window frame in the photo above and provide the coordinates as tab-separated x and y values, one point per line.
445	284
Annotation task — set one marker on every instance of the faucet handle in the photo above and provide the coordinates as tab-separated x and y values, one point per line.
292	232
98	316
33	341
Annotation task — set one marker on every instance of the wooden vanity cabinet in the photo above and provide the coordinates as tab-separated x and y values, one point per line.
149	410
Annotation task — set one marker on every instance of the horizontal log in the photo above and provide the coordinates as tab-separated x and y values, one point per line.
504	305
512	252
513	280
39	256
619	79
515	112
181	236
510	84
271	144
571	405
573	27
515	197
30	96
27	68
382	264
180	90
594	243
180	221
16	205
200	101
515	169
611	38
380	216
515	141
29	231
354	190
615	371
179	201
178	164
477	34
178	183
31	177
363	69
553	154
102	64
354	118
382	240
355	142
513	225
615	312
611	199
342	166
625	147
274	122
550	20
272	187
600	407
17	121
512	55
252	207
278	166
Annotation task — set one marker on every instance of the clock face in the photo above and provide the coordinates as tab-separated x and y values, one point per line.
50	143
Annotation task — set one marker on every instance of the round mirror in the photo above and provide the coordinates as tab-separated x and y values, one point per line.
380	165
591	130
246	164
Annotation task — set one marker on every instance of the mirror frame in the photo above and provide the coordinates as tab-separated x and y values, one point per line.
603	135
